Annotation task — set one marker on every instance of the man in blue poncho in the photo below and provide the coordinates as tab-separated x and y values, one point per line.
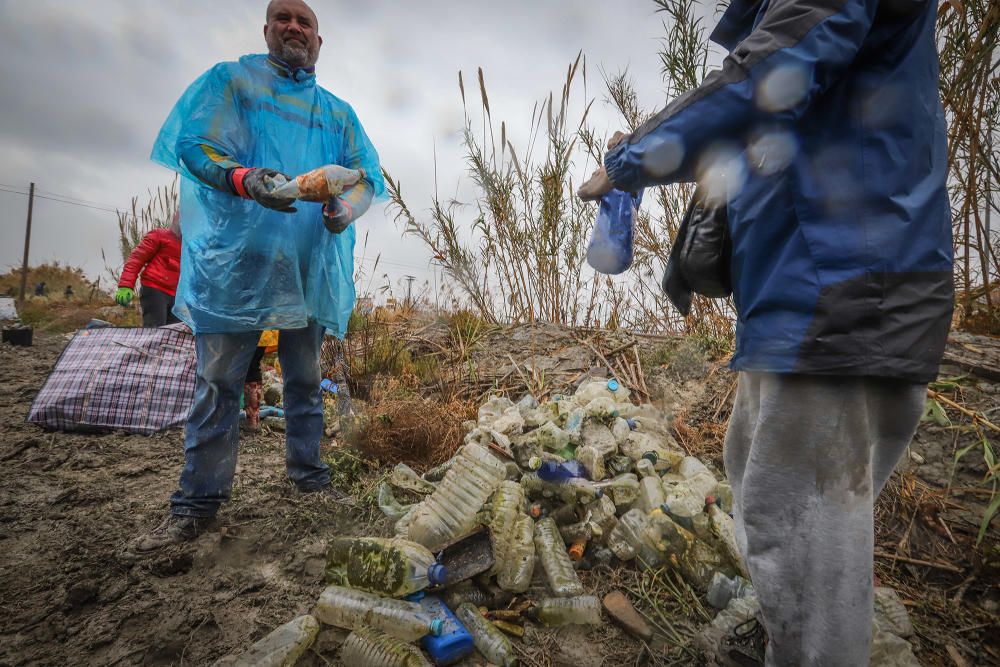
254	260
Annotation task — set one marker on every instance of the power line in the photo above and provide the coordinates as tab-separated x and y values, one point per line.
61	201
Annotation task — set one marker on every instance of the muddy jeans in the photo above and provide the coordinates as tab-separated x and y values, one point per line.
807	455
211	438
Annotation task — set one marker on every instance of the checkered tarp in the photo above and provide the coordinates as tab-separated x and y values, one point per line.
138	380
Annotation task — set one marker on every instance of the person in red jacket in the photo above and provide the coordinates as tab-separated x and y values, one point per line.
158	258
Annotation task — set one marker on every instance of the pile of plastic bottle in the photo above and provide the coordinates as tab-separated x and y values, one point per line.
561	486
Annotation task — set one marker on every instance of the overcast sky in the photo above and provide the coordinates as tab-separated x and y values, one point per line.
86	86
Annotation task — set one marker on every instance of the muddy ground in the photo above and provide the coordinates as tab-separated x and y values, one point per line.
70	503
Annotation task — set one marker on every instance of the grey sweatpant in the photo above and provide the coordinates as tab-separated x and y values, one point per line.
806	456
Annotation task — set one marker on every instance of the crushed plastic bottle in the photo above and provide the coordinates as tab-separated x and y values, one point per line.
519	561
466	591
489	640
507	503
548	436
551	551
602	409
723	494
550	471
623	489
722	589
351	609
573	425
592	389
368	647
451	510
610	250
645	467
633	538
638	445
404	477
387	566
620	429
392	508
580	610
282	646
437	473
724	530
593	461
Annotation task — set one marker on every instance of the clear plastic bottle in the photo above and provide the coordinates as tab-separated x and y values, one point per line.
451	510
368	647
620	429
603	409
645	467
386	566
723	494
638	445
592	389
623	489
519	561
573	425
350	609
580	610
593	461
507	503
722	589
402	527
549	436
437	473
570	490
490	640
651	493
282	646
633	537
404	477
466	591
604	514
555	561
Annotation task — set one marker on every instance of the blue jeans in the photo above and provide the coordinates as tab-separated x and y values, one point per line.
211	438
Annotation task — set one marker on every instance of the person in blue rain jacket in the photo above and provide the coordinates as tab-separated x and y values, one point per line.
253	260
823	135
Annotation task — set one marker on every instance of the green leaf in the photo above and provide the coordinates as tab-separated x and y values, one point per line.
963	451
987	517
933	412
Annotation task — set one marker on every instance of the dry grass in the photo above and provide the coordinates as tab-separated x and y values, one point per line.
400	426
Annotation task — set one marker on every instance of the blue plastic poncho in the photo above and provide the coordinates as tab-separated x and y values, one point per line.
245	267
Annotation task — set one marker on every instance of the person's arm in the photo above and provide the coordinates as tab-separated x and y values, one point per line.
799	49
138	259
359	153
210	165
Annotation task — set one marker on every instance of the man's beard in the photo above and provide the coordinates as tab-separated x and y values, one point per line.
292	53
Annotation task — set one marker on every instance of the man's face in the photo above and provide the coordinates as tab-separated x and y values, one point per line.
291	33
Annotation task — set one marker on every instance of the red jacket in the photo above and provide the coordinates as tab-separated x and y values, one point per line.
160	253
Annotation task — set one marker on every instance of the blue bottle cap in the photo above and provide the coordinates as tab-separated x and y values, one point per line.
631	423
613	385
436	627
436	573
665	508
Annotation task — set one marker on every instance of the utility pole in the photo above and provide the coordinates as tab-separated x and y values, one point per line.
409	286
27	241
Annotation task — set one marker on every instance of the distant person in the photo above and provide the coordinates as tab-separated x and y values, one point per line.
254	260
41	289
823	138
68	292
158	259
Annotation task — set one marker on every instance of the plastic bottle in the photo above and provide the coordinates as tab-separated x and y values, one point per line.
507	503
489	640
551	471
578	547
602	409
623	489
387	566
519	560
651	493
549	436
351	609
282	646
392	508
451	510
555	561
404	477
593	461
604	514
723	494
454	642
633	537
573	425
580	610
620	430
722	589
402	527
618	464
638	445
570	490
592	389
645	467
610	250
368	647
437	473
466	591
724	529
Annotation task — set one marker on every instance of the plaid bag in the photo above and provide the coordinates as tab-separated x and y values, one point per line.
138	380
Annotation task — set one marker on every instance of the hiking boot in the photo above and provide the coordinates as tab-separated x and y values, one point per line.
745	645
174	529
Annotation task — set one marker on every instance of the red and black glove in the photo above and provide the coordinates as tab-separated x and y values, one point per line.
259	184
337	215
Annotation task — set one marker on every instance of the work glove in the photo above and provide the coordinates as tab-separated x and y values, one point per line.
123	296
259	185
337	215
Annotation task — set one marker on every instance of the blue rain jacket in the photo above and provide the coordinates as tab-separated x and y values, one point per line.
824	130
245	267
